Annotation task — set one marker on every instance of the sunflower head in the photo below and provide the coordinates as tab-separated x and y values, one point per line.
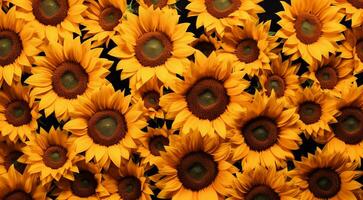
326	176
10	154
206	44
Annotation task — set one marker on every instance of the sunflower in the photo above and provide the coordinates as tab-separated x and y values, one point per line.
150	94
332	74
53	19
352	9
50	156
152	44
9	156
352	49
262	183
155	141
101	19
219	15
65	72
250	48
311	29
18	45
208	99
127	182
105	126
14	185
18	113
157	3
326	176
195	167
206	44
282	79
87	184
348	130
266	135
316	111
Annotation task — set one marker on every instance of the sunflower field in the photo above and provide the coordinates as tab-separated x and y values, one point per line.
181	99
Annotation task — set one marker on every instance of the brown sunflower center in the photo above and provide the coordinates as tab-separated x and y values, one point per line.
129	188
356	3
84	184
308	28
349	127
69	80
18	113
50	12
197	170
262	192
12	159
277	84
327	77
309	112
205	47
260	133
18	195
151	100
109	18
107	127
156	3
153	49
10	47
207	99
157	143
55	157
222	8
247	51
324	183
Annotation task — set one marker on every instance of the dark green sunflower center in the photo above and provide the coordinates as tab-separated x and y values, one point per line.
18	195
109	18
129	188
157	144
324	183
151	100
18	113
10	47
50	12
222	5
310	112
222	8
55	157
207	98
260	133
356	3
153	49
277	84
84	184
247	50
156	3
308	28
349	127
197	170
12	159
69	80
107	127
262	192
327	77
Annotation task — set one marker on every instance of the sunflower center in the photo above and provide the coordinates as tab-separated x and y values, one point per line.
327	77
277	84
18	113
310	112
205	47
18	195
324	183
262	192
151	100
156	3
207	98
260	133
308	28
55	157
69	80
109	18
10	47
222	8
349	127
84	184
50	12
153	49
129	188
107	127
247	51
157	143
12	159
356	3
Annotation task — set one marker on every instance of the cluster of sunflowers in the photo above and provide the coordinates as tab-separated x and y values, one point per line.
224	115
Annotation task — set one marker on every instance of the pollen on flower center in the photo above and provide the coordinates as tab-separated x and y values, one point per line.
10	47
349	127
262	192
309	112
308	28
247	51
84	184
324	183
129	188
260	133
109	18
222	8
50	12
18	113
327	77
277	84
55	157
151	100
